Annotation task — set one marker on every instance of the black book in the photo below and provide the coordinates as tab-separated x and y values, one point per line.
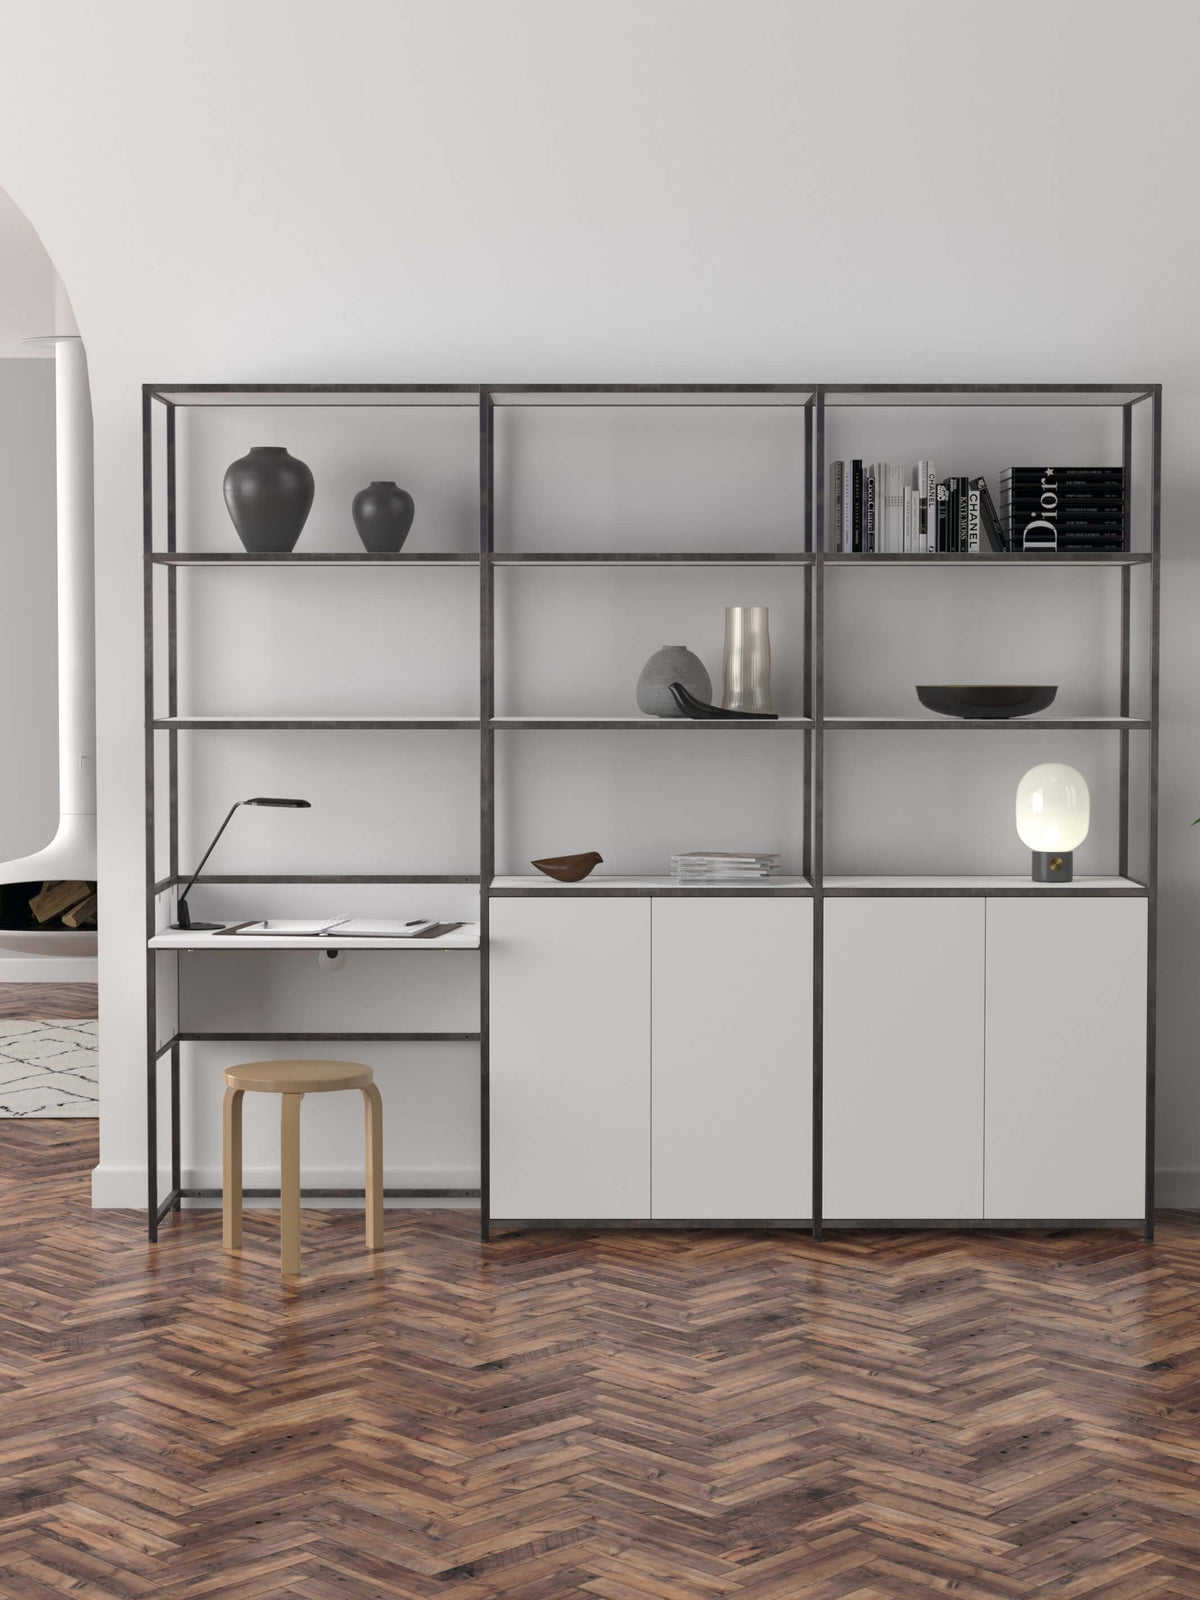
964	515
1061	486
943	516
990	524
1063	502
1058	490
1063	513
954	529
1036	534
957	517
856	493
1035	480
1069	524
1066	510
1109	546
1066	497
1090	536
1064	474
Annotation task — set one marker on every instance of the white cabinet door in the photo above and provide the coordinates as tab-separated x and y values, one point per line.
1066	1059
570	1057
732	1058
903	1059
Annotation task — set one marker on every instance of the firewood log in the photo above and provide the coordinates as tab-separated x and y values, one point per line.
83	913
55	898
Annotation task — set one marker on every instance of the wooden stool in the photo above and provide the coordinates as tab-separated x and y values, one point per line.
292	1080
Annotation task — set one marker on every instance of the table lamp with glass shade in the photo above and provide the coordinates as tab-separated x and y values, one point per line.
1053	810
183	915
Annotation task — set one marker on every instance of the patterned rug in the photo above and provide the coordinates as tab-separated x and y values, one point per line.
48	1045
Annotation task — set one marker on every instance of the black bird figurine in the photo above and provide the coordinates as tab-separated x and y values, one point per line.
701	709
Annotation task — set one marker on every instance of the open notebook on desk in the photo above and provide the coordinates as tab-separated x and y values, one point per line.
344	928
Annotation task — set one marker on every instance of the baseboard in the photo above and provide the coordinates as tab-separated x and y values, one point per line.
124	1188
1176	1188
48	969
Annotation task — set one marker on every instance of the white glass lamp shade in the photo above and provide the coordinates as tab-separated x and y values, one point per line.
1053	808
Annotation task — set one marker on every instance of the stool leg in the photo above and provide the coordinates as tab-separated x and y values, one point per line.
289	1183
373	1109
231	1174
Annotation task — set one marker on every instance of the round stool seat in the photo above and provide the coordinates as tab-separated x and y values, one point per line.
298	1077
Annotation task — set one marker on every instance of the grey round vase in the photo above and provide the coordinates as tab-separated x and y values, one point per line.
269	495
674	663
383	514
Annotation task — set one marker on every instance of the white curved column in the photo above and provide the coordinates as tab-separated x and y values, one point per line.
72	851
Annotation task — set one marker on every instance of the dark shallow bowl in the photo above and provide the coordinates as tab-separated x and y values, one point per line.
568	869
986	699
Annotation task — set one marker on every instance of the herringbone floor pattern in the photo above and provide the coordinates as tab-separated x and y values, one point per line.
627	1417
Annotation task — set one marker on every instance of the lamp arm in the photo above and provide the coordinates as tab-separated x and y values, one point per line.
208	852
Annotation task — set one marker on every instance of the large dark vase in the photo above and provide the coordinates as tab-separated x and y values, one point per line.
269	495
383	514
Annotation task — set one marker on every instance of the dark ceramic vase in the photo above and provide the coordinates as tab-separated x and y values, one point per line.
269	495
383	514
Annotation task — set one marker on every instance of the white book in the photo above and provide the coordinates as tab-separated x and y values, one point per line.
909	535
973	522
290	927
930	509
896	507
379	928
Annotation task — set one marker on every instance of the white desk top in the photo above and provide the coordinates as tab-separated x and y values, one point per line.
464	938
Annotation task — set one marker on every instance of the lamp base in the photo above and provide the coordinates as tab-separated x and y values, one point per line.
1053	866
197	927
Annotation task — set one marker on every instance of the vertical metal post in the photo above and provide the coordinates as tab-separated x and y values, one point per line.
172	659
176	1165
1126	616
1152	863
806	862
817	738
173	765
148	711
487	786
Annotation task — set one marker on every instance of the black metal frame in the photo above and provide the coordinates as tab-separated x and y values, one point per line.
812	559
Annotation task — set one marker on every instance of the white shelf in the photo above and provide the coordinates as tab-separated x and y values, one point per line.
675	723
951	884
603	884
206	722
464	938
890	724
990	558
312	558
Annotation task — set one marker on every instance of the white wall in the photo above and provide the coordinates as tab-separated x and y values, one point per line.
555	190
28	607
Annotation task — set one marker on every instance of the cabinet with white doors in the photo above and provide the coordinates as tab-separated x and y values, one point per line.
984	1059
651	1058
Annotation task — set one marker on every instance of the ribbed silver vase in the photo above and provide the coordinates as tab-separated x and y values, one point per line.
747	685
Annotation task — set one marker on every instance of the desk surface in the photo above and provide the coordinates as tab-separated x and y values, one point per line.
464	938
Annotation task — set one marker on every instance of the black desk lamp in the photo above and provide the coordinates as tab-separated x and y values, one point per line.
185	923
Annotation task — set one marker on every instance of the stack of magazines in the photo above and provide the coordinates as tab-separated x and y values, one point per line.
723	866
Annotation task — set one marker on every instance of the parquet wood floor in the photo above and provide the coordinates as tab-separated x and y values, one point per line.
624	1417
48	1000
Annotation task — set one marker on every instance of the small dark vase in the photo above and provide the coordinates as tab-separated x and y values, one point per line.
383	514
269	495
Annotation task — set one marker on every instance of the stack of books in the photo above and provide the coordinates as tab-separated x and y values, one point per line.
1064	508
723	866
886	509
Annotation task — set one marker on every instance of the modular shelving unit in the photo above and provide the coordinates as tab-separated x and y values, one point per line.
813	403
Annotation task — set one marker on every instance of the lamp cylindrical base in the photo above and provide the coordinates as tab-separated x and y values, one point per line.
1053	866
